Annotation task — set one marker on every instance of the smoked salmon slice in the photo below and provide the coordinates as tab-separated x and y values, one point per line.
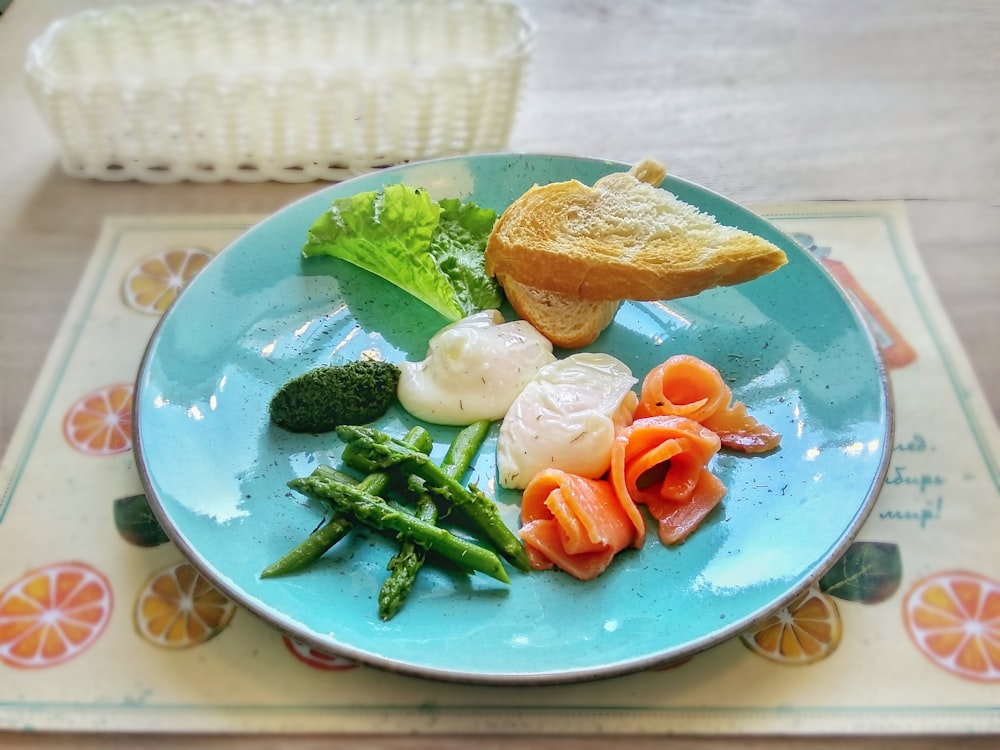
662	462
740	431
687	386
685	415
576	523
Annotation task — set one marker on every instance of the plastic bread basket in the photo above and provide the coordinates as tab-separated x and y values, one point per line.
291	91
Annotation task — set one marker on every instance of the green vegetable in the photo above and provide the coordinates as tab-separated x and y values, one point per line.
464	447
432	250
385	451
336	527
326	397
312	548
405	565
375	512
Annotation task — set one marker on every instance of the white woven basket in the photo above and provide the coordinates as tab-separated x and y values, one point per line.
286	90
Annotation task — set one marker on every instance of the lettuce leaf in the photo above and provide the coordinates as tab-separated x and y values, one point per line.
431	250
459	249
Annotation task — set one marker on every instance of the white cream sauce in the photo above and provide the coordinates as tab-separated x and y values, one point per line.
474	370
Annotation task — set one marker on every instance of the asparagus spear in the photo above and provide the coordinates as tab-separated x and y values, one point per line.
405	565
385	451
336	527
375	512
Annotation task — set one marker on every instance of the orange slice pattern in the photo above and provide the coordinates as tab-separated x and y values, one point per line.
100	423
315	658
52	614
954	619
178	608
153	284
804	632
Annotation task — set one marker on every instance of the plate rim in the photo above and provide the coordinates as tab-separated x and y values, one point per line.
661	659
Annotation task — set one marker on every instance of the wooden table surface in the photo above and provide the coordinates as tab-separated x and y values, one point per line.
768	100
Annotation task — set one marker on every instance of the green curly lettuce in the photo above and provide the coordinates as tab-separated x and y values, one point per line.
431	249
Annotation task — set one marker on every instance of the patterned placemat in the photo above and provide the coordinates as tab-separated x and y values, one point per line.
903	635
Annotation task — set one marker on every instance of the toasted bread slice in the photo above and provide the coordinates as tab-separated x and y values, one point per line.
568	322
623	238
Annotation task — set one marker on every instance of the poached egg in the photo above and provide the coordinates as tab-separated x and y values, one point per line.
566	418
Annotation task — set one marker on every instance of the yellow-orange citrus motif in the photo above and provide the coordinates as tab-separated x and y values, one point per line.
153	284
178	608
52	614
953	617
100	422
805	631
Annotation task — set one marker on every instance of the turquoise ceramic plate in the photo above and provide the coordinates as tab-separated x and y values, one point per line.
794	350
